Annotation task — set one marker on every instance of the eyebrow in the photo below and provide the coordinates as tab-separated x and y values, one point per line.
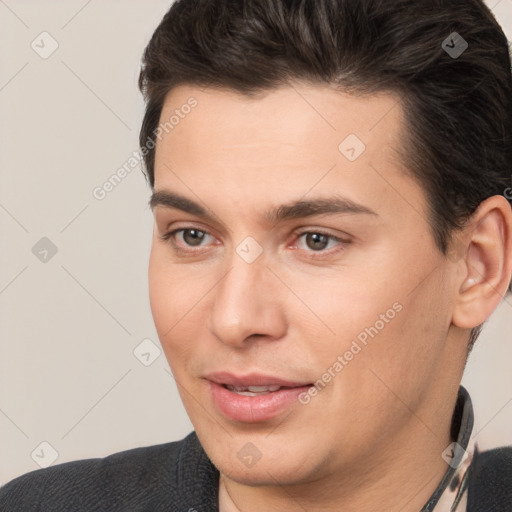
294	210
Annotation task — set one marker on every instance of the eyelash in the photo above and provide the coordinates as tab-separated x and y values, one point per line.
168	237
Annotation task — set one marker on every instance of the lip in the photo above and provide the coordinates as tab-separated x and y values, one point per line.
252	379
253	409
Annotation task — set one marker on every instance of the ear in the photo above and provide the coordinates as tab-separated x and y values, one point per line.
486	266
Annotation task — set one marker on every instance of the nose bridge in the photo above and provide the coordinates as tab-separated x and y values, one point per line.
244	303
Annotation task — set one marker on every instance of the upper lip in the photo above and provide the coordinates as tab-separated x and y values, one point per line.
252	379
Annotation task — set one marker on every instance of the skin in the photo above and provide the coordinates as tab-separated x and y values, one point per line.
372	438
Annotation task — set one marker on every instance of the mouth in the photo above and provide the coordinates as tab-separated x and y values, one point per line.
253	398
253	390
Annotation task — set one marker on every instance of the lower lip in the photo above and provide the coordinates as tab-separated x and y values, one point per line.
254	409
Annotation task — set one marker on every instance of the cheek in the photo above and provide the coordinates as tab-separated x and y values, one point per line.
168	303
160	297
407	353
341	309
172	289
176	294
393	326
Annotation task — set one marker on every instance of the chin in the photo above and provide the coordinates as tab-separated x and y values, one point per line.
266	474
251	459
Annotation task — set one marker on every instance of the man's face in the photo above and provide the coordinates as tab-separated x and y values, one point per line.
355	300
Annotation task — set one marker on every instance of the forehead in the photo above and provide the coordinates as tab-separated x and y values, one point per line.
287	142
291	113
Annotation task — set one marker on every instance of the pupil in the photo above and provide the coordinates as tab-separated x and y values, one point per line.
319	241
195	236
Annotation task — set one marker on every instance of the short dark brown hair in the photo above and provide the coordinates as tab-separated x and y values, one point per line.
458	108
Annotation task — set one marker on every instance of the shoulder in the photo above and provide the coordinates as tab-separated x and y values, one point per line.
128	480
490	481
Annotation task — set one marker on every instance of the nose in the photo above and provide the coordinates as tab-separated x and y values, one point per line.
247	305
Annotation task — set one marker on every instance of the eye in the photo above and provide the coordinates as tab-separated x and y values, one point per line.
190	237
318	242
193	237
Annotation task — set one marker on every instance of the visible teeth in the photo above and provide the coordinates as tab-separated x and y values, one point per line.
261	389
253	390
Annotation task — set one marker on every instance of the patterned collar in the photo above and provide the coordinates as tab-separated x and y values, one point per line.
451	493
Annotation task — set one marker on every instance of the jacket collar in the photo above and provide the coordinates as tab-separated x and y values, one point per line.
451	493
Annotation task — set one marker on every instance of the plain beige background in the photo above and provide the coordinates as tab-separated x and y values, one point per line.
69	377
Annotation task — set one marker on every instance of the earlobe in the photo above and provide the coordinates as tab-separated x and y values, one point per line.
487	263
